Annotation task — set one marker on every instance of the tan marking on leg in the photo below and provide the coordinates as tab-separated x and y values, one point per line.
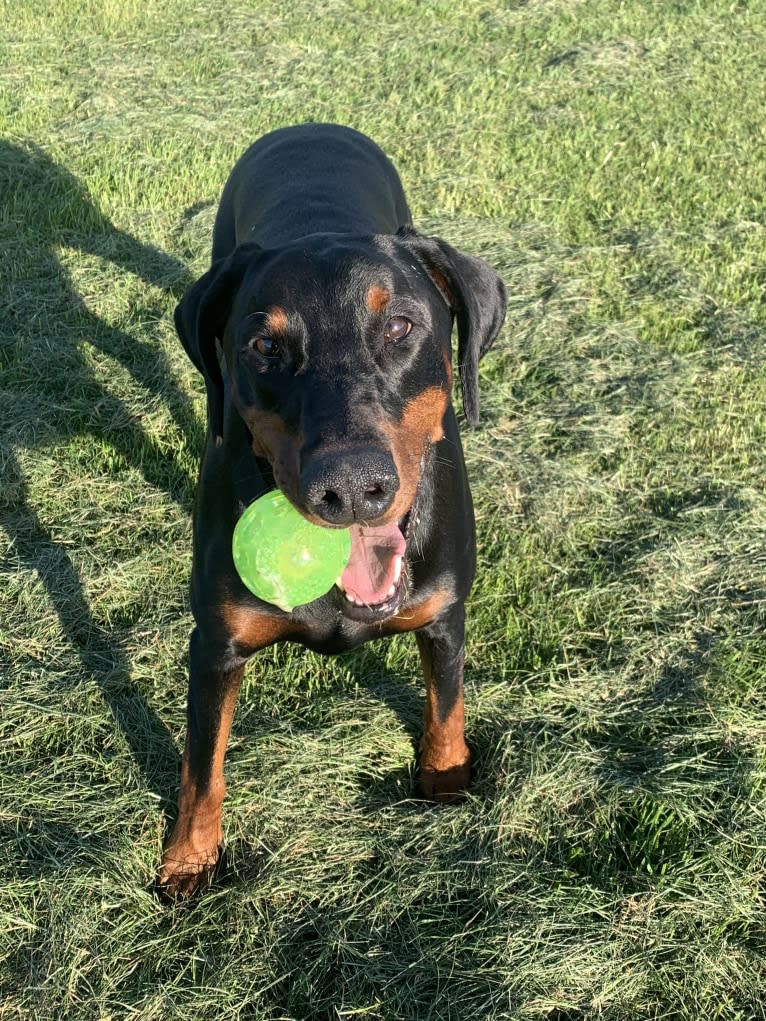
194	847
443	744
445	759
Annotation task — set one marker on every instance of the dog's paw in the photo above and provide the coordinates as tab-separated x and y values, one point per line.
444	784
185	874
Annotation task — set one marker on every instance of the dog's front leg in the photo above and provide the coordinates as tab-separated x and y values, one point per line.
193	848
445	760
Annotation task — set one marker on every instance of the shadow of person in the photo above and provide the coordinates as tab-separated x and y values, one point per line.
45	323
50	393
100	652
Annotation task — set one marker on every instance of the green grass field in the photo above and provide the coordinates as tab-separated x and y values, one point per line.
609	160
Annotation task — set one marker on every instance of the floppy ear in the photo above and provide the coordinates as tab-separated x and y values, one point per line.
200	319
477	298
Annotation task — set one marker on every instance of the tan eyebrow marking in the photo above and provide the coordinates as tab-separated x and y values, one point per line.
276	319
377	298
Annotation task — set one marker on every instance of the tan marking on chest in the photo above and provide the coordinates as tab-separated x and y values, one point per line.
414	617
252	628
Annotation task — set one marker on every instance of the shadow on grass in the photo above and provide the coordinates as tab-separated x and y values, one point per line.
99	652
47	208
659	783
43	207
39	847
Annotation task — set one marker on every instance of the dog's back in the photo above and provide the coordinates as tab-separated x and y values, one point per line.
312	178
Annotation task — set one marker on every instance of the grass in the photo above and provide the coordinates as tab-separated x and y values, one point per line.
610	860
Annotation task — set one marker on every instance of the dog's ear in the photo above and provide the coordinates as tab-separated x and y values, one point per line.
200	319
477	298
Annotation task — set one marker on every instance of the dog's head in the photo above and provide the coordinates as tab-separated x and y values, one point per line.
337	351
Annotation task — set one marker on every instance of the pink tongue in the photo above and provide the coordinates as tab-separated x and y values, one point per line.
370	571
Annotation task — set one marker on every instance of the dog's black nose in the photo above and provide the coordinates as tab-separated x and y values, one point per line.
353	487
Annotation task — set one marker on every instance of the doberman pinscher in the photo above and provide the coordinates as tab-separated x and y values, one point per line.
323	333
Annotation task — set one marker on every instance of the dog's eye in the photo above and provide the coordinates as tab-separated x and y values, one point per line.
396	328
267	346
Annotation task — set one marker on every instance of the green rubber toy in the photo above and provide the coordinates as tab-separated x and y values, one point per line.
283	558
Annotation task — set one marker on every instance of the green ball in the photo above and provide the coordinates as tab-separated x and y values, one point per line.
283	558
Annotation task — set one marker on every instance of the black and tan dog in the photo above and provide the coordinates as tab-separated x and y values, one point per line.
323	332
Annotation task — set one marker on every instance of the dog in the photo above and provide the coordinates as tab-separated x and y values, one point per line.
323	333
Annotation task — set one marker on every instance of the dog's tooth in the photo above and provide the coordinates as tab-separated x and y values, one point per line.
397	570
391	591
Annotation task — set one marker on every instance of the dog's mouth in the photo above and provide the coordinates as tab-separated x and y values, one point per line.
374	579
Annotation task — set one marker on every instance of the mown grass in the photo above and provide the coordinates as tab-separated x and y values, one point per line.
609	863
